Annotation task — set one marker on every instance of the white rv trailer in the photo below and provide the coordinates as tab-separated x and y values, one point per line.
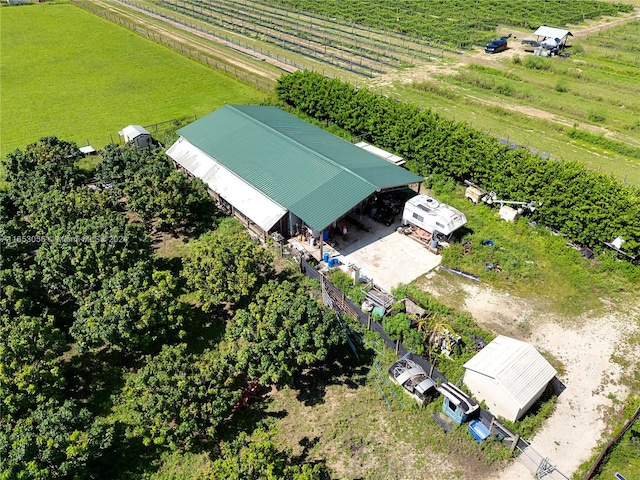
426	212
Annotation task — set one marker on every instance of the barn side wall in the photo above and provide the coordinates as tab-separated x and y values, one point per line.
487	389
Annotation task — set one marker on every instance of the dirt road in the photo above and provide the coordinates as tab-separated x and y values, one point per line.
141	17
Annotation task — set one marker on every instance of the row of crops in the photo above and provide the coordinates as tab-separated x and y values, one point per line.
373	37
348	46
458	24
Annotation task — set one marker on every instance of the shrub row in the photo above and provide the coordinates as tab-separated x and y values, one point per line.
588	207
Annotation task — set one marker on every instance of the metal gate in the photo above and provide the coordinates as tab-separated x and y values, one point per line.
540	467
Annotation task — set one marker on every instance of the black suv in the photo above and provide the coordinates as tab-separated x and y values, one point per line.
495	46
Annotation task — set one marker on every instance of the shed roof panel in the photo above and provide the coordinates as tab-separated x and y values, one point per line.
247	199
551	32
516	365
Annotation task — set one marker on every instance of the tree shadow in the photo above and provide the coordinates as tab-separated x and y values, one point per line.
204	329
95	377
126	458
171	264
341	368
254	415
302	459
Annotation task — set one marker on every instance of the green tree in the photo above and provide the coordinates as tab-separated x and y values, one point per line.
30	344
175	201
178	399
283	331
133	311
257	457
56	441
162	195
45	164
226	265
13	230
56	207
30	368
78	256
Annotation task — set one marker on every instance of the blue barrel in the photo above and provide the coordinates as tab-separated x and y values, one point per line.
325	257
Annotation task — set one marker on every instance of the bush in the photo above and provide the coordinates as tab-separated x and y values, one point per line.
537	63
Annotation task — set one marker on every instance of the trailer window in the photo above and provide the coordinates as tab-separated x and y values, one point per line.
420	218
439	224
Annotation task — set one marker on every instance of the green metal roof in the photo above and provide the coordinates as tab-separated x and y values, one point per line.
317	176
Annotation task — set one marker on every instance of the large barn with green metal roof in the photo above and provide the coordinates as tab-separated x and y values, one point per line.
278	172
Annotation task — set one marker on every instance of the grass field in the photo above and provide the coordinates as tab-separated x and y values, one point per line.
87	82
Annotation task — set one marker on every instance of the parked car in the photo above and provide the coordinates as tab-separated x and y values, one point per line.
496	46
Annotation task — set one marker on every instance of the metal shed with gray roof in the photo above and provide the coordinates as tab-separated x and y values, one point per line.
558	35
278	170
509	376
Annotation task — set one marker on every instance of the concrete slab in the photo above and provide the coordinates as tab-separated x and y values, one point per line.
382	254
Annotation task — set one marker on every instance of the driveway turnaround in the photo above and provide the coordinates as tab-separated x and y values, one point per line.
380	252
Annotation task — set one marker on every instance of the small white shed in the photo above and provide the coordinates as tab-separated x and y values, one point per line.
136	134
509	376
555	37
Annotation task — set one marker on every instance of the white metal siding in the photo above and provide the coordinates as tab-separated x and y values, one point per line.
262	211
488	390
516	366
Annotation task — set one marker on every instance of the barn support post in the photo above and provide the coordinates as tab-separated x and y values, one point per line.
321	243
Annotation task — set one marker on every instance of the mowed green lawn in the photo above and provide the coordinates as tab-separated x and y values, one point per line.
68	73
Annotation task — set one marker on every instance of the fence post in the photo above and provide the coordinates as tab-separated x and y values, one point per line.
516	439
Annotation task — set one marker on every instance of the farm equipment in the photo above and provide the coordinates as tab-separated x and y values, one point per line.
476	195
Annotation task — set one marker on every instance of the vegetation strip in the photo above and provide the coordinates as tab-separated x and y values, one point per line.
588	207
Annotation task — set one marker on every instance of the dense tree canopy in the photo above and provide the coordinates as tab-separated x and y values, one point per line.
154	189
261	459
178	399
43	165
226	265
134	310
77	257
56	441
283	331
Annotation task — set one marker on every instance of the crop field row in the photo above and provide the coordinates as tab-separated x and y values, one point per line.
350	47
459	24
